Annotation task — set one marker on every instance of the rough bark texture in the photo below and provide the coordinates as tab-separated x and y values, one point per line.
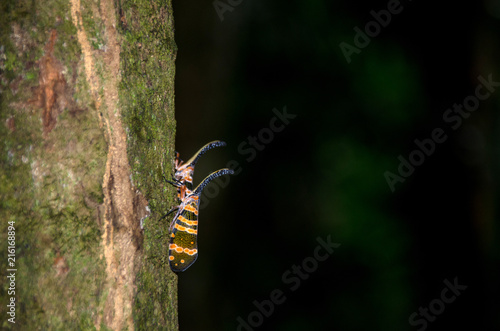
87	113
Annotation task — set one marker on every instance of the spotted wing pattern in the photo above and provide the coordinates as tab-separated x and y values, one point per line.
183	245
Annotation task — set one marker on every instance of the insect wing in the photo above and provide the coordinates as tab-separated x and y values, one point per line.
183	245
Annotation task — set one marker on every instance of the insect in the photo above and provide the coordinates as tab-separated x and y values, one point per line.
184	171
183	246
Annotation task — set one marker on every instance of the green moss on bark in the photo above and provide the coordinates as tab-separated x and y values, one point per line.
50	184
147	95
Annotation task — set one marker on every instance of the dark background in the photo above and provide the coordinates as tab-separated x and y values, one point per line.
323	175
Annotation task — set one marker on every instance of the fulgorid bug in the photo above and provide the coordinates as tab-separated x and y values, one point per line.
183	246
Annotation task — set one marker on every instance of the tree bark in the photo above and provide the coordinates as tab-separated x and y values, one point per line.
88	128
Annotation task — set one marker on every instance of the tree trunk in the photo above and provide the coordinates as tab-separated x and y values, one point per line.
87	111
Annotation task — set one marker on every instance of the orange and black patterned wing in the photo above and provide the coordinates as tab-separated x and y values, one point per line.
183	245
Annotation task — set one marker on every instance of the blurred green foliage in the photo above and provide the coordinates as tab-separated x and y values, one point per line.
324	173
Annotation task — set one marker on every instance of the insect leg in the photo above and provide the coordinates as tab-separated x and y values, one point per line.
170	212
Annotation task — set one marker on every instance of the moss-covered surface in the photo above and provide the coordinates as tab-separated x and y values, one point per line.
51	180
147	95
